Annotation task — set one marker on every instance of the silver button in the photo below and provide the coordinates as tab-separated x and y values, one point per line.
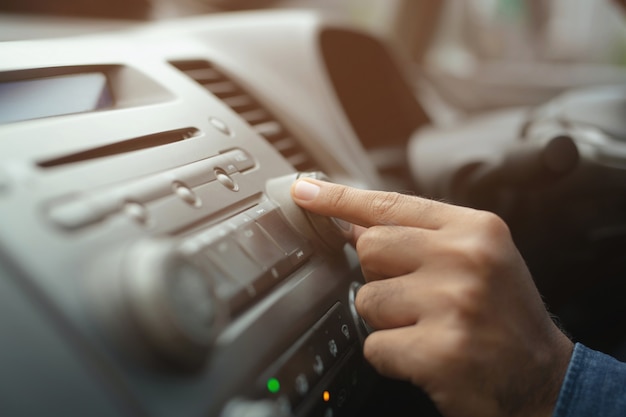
226	180
186	194
220	126
137	212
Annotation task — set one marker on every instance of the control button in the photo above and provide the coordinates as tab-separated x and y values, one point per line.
318	365
275	226
296	248
332	348
74	214
261	209
240	159
306	363
137	211
346	331
325	230
186	194
226	180
170	301
231	259
220	126
302	384
235	294
301	255
190	297
262	250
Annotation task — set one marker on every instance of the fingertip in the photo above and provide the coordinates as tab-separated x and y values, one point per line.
393	353
304	190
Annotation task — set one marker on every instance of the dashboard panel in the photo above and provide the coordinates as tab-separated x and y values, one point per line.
151	260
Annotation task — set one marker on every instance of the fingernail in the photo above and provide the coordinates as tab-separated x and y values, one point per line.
305	190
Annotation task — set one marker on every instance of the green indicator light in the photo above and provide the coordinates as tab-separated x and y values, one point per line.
273	385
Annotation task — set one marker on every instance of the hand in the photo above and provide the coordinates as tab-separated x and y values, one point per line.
454	307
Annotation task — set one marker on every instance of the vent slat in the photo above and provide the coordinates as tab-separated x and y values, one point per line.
259	118
204	75
255	116
285	146
240	103
223	87
268	129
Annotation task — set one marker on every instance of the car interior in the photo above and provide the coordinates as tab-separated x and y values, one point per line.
152	262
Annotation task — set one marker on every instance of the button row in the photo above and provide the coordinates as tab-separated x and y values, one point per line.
335	400
92	207
311	357
248	254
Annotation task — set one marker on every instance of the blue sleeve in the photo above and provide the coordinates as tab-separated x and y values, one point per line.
595	385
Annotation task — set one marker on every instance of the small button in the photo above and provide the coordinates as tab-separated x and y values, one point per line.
137	212
74	214
345	330
318	365
220	126
298	249
302	384
191	301
186	194
234	293
232	260
259	247
226	180
332	348
240	159
301	254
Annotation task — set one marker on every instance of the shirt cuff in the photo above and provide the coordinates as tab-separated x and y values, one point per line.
594	385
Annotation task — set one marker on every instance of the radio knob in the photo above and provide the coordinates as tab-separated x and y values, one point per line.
330	231
169	301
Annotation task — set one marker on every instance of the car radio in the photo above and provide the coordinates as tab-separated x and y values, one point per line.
152	262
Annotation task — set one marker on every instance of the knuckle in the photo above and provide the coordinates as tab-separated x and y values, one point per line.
339	197
455	344
482	251
492	227
371	348
468	299
365	298
368	242
384	205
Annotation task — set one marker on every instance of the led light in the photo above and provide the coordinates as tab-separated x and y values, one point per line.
273	385
326	396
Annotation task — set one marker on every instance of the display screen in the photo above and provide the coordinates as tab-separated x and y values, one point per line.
53	96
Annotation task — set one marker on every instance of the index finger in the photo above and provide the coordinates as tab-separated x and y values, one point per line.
370	208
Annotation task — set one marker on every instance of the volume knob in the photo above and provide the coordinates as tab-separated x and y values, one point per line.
170	302
330	231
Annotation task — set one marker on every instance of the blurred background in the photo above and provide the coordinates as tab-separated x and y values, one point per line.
465	56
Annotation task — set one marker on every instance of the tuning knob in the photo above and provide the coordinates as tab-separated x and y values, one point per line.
329	231
168	302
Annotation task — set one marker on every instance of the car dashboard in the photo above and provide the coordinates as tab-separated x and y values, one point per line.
152	261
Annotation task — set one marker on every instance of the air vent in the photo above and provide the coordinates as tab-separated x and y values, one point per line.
259	118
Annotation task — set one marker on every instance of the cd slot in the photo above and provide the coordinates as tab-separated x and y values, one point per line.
126	146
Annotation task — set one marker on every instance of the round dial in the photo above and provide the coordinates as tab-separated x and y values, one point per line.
169	301
331	232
